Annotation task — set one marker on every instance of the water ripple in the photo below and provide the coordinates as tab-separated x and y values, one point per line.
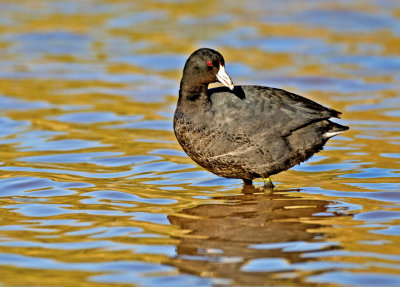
95	190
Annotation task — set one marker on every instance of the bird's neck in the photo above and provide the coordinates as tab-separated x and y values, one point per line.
196	94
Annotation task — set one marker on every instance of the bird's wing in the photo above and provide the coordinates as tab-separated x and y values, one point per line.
252	109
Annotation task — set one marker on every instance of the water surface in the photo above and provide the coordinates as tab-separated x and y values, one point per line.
95	190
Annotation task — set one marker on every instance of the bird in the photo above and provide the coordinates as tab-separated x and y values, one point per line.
246	131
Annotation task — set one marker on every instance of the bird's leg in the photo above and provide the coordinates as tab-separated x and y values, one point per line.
268	183
249	188
247	182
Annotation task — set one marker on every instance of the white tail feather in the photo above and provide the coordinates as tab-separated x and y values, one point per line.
332	134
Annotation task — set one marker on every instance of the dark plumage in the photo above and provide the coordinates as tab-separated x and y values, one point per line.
245	132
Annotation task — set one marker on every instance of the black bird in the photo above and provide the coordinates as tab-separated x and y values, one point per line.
245	132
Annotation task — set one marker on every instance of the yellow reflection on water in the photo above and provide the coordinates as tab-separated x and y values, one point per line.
96	191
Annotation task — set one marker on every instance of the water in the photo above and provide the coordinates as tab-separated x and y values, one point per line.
95	190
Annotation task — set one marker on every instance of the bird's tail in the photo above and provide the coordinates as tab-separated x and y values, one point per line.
335	129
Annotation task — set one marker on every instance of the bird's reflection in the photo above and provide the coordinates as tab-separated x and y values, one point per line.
224	237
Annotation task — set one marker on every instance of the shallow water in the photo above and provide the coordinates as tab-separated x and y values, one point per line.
95	190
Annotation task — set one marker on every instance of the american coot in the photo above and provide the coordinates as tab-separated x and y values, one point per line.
245	132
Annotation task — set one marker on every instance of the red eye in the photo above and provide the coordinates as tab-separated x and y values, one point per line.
209	63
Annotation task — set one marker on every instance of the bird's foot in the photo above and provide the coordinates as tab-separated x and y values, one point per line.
268	184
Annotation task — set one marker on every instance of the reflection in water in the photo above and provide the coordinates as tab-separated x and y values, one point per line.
246	237
90	168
